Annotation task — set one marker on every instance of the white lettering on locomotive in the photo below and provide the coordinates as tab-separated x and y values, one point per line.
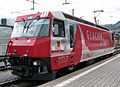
91	35
44	14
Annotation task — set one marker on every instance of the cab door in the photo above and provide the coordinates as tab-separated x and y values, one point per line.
58	38
75	43
58	45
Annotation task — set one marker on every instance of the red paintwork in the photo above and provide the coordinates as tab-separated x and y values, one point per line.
98	39
78	45
60	62
34	16
37	47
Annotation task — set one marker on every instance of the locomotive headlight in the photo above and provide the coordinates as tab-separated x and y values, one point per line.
25	55
14	52
36	63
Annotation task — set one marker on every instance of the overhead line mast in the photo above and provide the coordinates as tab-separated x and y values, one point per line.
33	1
66	2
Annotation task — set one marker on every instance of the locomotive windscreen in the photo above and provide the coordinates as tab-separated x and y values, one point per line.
31	28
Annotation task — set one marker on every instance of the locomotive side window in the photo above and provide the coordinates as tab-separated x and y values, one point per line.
58	28
71	28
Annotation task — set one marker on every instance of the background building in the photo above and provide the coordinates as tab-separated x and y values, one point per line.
6	27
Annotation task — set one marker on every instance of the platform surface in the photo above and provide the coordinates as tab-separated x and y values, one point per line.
106	74
6	76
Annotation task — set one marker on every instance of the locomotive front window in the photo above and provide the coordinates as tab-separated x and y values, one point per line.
31	28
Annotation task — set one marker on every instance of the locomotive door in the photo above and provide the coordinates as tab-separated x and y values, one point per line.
75	43
58	38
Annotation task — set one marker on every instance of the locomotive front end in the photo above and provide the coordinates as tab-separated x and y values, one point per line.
29	46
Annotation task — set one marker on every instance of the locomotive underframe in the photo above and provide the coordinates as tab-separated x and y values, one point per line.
32	68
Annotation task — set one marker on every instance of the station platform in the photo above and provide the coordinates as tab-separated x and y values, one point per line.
6	76
105	73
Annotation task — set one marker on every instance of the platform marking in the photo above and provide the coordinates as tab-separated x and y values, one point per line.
84	73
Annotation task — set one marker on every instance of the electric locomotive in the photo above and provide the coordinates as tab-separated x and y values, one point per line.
45	42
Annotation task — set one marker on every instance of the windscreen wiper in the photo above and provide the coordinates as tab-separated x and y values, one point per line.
28	27
24	27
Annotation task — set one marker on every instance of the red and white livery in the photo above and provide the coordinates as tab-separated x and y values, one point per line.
43	43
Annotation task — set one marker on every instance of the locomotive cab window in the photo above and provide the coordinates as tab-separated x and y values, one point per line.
58	28
31	28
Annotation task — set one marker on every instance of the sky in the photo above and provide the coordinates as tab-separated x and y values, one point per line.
82	8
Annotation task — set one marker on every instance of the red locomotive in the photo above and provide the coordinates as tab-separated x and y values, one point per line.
43	43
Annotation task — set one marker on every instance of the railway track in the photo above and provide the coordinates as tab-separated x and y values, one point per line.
7	81
22	83
16	82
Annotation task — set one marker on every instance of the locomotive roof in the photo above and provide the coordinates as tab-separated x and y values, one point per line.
57	14
62	15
